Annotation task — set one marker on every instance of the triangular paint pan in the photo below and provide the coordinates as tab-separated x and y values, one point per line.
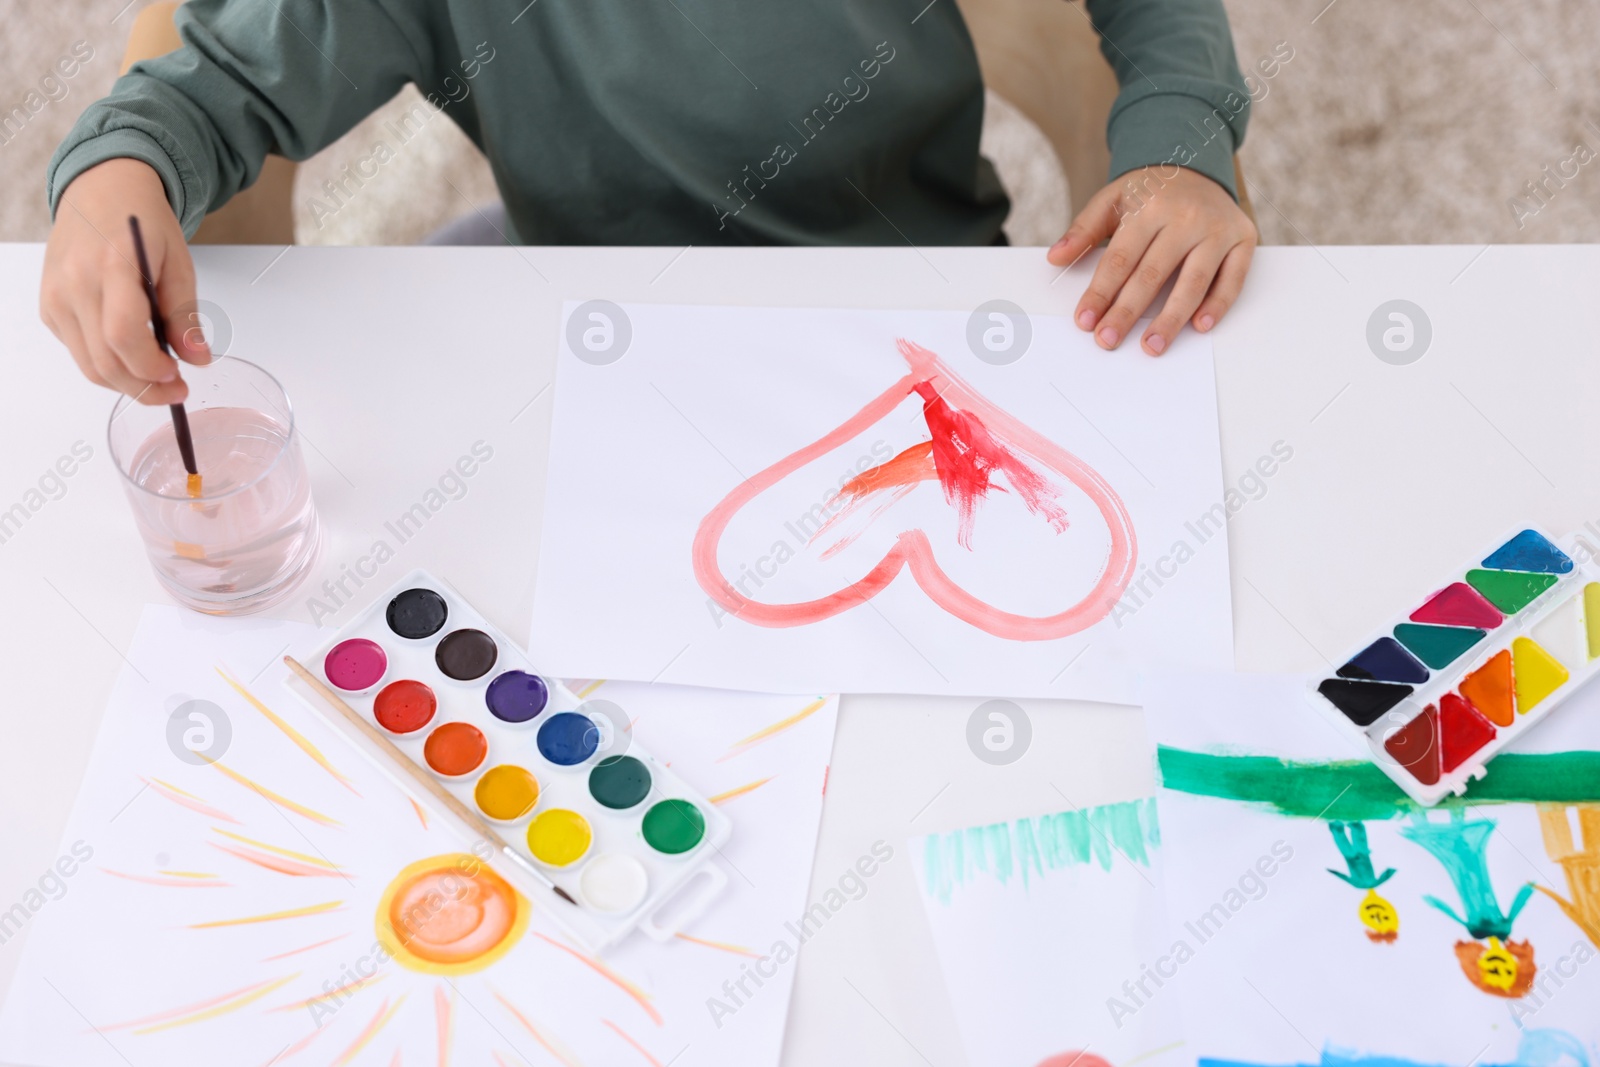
1529	551
1510	591
1538	673
1458	605
1415	746
1561	634
1363	703
1490	690
1384	661
1462	731
1437	646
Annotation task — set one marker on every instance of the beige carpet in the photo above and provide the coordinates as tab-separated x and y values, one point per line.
1415	122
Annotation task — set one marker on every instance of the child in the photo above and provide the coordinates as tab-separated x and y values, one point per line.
649	122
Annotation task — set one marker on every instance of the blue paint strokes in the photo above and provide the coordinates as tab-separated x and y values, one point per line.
1536	1048
1529	551
1032	847
1461	845
1385	660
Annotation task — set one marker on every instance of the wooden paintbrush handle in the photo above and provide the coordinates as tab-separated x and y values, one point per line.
404	762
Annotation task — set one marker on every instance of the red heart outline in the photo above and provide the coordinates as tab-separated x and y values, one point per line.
912	548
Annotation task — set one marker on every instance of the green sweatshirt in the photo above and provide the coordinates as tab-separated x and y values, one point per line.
652	121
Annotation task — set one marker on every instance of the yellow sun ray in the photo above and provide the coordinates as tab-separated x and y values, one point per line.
187	800
583	694
290	732
208	1010
315	861
766	732
748	787
273	916
344	990
277	798
724	946
169	881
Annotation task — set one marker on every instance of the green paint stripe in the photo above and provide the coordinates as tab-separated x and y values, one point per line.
1356	789
1510	591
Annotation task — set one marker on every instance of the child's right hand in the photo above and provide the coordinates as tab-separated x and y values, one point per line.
92	296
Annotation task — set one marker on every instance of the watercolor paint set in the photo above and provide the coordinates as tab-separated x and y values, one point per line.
563	785
1478	662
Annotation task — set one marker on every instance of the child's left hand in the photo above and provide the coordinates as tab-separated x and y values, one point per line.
1188	224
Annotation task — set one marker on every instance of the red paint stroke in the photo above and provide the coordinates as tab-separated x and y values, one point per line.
1073	1059
972	439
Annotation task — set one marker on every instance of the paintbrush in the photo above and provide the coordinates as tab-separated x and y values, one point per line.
425	780
180	415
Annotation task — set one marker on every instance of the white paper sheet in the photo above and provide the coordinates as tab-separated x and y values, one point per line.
120	967
696	532
1280	967
1038	924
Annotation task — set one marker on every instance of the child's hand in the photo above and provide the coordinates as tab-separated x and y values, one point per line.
1156	226
92	296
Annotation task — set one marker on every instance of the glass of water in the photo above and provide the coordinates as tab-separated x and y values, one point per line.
251	535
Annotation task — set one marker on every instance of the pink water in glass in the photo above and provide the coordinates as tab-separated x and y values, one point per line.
251	535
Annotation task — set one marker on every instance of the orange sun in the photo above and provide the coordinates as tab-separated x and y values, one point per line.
450	915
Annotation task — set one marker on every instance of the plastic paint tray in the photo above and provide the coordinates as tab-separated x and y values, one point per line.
654	845
1442	688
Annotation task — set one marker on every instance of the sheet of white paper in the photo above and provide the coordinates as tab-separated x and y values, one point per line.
1038	923
134	952
1273	961
696	531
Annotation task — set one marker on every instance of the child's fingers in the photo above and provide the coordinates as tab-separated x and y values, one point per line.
1194	279
1128	246
65	326
175	292
1226	286
109	366
1096	222
1143	283
125	318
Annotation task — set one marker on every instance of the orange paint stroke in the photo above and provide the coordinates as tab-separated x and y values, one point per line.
300	740
422	816
548	1044
178	882
202	1010
342	991
609	975
443	1014
620	1032
939	387
188	800
748	787
276	798
723	946
304	948
743	745
277	863
373	1028
293	913
897	477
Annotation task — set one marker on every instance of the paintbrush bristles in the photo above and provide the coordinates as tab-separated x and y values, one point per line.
428	783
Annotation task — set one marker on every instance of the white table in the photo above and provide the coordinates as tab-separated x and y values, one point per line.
1393	467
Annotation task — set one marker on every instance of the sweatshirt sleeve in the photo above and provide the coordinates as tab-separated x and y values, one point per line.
1183	99
253	77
